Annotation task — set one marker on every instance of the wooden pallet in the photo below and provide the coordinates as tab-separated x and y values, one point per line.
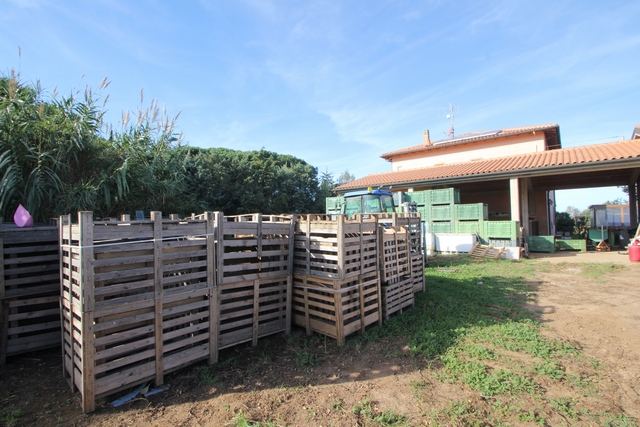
337	248
29	289
336	311
485	251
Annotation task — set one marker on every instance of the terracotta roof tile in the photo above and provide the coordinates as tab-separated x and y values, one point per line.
469	138
620	150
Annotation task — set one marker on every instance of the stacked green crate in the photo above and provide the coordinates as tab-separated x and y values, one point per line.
441	227
501	230
470	218
421	199
445	196
442	213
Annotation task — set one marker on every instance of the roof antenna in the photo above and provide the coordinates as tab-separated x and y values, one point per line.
450	116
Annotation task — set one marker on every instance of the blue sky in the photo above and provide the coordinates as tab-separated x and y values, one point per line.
337	83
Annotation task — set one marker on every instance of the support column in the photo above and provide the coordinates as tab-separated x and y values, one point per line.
524	206
514	184
634	186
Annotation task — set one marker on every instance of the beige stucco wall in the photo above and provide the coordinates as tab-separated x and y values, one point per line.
509	146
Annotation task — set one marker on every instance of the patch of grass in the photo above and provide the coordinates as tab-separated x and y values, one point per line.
486	339
338	404
363	408
11	418
206	374
305	358
300	347
532	417
599	270
551	369
418	389
618	420
457	413
386	418
565	406
241	420
391	419
487	381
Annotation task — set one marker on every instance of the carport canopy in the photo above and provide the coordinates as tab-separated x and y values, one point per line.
601	165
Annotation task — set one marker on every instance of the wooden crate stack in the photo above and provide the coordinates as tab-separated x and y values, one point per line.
336	279
136	301
29	289
253	277
395	272
412	222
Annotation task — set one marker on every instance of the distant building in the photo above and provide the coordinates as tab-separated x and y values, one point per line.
515	171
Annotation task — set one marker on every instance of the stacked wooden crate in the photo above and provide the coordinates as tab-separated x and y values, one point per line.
29	289
136	300
335	274
253	277
412	222
395	270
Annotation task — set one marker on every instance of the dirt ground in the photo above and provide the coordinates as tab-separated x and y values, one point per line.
599	315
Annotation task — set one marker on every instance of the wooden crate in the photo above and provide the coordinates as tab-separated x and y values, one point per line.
336	309
411	221
393	250
29	289
136	301
253	309
252	247
337	249
417	272
397	295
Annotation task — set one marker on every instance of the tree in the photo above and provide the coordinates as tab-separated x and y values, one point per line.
345	177
238	182
42	145
564	222
54	159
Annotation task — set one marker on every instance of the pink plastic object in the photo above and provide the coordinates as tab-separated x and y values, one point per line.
22	217
634	250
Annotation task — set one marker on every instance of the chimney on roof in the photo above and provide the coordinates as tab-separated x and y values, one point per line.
425	137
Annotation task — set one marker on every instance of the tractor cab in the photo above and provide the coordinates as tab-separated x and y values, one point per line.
369	201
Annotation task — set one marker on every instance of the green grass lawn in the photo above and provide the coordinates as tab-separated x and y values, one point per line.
472	322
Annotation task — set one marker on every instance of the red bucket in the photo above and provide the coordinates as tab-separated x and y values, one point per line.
634	251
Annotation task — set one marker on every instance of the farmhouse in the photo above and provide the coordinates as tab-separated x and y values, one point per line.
515	171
